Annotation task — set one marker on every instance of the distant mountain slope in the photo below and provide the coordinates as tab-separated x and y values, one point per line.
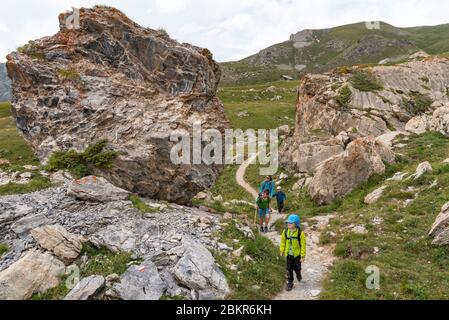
322	50
5	84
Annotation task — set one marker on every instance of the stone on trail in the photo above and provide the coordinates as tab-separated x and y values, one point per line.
66	246
87	288
34	273
96	189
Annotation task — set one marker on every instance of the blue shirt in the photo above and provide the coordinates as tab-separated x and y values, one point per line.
280	196
268	185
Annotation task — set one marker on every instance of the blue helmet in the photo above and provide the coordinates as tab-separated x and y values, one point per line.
294	219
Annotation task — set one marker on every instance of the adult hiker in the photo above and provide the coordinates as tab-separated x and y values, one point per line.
268	184
263	208
293	246
280	198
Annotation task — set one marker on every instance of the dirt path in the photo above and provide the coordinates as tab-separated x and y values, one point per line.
319	258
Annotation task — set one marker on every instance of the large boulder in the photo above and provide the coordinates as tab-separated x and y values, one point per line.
141	282
340	175
307	157
440	120
440	229
132	86
65	245
35	273
198	270
96	189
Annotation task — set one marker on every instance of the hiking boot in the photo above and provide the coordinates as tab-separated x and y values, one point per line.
262	229
300	279
266	229
289	287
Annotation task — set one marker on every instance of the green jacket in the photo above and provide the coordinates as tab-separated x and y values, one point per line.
263	203
299	245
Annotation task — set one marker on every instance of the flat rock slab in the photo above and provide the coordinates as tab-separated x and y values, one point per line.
35	273
87	288
141	282
24	225
57	239
96	189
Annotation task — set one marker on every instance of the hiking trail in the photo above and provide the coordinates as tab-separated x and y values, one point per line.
319	258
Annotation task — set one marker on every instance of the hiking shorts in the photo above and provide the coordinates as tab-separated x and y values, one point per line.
264	213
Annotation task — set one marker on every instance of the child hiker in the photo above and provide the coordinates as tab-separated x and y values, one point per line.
280	198
293	246
263	207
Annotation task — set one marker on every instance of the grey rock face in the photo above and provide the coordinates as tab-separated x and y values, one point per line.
440	228
87	288
96	189
141	282
197	269
130	85
28	223
5	84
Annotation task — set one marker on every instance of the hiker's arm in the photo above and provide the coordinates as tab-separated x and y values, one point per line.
282	248
303	245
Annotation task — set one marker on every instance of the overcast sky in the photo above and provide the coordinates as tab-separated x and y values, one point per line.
231	29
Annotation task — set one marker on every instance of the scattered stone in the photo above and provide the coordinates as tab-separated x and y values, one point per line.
398	176
141	282
4	162
201	196
87	288
224	247
361	229
378	221
31	168
62	177
446	161
35	273
284	130
315	293
238	253
283	176
422	169
440	229
64	245
374	196
96	189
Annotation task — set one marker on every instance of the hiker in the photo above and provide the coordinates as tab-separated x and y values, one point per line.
268	185
263	207
280	198
293	246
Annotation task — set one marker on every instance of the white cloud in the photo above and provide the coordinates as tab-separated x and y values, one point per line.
3	28
231	29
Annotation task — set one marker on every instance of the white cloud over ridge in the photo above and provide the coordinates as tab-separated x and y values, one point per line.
231	29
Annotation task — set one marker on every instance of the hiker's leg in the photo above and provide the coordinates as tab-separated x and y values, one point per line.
290	269
298	268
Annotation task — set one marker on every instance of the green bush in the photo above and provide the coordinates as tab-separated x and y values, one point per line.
365	80
417	103
344	97
32	50
140	205
68	74
80	164
3	249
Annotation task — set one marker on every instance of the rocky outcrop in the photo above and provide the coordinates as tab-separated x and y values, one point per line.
113	79
59	241
186	233
35	273
96	189
372	113
440	229
5	84
338	176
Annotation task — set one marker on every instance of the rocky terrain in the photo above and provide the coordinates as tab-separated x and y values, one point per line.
335	110
117	81
322	50
5	84
47	230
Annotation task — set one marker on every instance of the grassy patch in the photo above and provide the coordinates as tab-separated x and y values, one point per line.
266	272
3	249
32	50
365	80
69	74
140	205
417	103
37	183
81	164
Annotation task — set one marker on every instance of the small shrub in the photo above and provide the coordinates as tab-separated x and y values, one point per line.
3	249
345	96
79	164
425	79
163	31
32	50
140	205
417	103
68	74
365	80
